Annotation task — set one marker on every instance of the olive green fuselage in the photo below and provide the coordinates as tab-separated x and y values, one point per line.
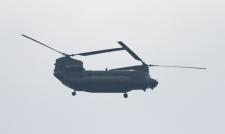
72	74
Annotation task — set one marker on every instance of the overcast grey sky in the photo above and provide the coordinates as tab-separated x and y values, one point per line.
175	32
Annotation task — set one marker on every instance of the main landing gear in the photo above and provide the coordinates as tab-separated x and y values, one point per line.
73	93
125	95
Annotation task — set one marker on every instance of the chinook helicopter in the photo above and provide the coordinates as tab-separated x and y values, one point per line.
119	80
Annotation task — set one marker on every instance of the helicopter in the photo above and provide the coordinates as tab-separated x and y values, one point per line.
72	74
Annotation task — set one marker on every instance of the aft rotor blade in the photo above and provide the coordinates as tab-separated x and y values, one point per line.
99	52
176	66
43	44
128	68
130	51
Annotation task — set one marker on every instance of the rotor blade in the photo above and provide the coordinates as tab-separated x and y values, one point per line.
99	52
128	68
130	51
43	44
175	66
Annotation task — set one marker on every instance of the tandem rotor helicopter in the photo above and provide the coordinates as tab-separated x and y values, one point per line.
119	80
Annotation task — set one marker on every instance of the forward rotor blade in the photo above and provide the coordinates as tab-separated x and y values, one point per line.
99	52
176	66
43	44
130	51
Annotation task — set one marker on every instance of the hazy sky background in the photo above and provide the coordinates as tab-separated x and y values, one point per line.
175	32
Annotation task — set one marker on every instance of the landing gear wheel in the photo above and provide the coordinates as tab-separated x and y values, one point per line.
125	95
73	93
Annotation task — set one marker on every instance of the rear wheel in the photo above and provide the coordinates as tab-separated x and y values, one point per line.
125	95
73	93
